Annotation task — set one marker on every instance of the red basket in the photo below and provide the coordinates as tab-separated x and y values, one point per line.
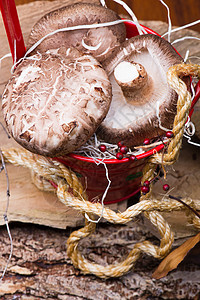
125	175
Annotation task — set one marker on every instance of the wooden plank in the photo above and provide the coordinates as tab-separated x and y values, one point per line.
39	268
183	179
47	210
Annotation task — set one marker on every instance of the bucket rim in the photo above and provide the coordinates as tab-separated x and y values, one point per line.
116	161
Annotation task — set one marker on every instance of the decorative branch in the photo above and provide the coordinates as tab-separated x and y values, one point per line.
185	204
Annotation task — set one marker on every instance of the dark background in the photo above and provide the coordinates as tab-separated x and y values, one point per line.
182	11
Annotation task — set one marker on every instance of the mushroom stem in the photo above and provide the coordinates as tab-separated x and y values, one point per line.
134	81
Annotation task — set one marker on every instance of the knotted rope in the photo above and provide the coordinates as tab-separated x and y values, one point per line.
71	192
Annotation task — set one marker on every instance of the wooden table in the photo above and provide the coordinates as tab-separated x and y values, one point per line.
39	267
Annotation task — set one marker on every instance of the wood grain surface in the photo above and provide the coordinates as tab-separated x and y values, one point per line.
39	268
182	11
27	203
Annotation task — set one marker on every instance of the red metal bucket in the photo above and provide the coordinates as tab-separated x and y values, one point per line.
125	175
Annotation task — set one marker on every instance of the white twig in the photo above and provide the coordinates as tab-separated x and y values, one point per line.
189	140
104	194
169	20
92	48
5	56
183	27
185	38
186	55
140	29
72	28
103	3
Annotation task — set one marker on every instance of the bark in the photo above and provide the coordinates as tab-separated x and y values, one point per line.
39	268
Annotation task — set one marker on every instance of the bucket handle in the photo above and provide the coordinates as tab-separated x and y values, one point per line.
13	29
196	98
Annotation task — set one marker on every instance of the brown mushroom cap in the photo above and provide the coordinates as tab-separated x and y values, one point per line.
133	120
53	104
105	39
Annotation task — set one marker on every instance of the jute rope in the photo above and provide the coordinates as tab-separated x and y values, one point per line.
71	192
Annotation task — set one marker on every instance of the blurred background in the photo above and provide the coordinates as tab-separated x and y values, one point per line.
182	11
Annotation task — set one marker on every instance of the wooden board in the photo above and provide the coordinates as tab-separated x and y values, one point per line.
27	203
183	179
39	268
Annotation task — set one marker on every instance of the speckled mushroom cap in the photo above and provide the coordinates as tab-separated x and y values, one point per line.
53	104
100	41
154	110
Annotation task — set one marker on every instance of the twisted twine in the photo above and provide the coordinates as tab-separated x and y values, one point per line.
71	192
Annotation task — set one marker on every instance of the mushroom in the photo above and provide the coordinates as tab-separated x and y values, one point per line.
54	103
143	104
100	42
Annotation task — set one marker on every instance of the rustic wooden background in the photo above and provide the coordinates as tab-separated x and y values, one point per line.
39	268
182	11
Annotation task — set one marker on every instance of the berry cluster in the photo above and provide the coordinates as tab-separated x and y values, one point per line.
121	153
145	188
123	149
168	134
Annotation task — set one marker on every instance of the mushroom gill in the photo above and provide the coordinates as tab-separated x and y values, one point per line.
143	104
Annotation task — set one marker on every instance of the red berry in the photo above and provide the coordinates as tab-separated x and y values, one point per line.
119	155
102	148
144	189
169	134
166	187
120	144
146	183
123	149
146	142
132	158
